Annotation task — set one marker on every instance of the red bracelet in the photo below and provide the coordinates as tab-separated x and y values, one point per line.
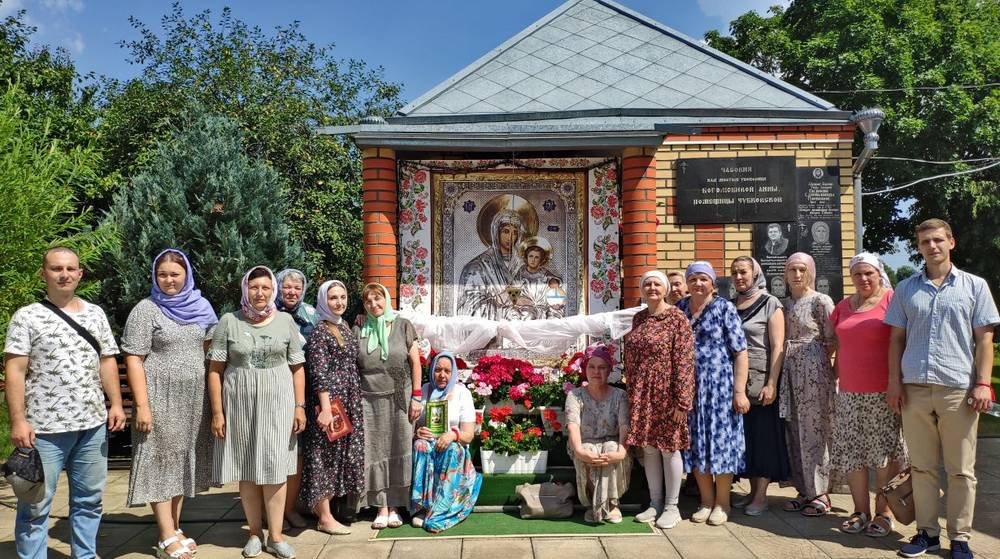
458	436
993	395
418	392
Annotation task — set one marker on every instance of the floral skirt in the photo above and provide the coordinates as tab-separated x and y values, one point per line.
445	485
866	434
600	487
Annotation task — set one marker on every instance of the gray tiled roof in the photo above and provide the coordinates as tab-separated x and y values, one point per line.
597	54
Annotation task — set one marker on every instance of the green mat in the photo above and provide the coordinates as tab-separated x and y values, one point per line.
502	524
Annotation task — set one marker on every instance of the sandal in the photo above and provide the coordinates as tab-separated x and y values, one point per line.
381	522
855	524
817	506
394	520
880	526
187	542
796	504
161	549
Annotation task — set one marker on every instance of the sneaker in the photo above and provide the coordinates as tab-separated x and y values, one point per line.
701	515
920	544
615	516
648	515
960	550
718	517
282	549
253	547
670	517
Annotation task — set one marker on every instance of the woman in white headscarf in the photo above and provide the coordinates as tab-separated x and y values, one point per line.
867	435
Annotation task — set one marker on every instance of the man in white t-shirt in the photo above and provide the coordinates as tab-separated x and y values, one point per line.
56	404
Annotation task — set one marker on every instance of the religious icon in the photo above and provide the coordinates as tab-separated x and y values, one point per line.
534	276
437	416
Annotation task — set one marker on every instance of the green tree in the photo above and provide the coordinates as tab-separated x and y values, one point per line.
904	272
39	177
278	87
899	47
201	193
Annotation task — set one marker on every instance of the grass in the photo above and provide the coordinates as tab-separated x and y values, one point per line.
989	426
510	524
5	446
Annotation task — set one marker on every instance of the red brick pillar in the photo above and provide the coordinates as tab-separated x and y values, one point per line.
638	220
378	210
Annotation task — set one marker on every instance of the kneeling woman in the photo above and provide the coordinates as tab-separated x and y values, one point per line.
445	483
597	419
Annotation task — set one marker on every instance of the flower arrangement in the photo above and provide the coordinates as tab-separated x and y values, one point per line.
500	378
508	434
551	419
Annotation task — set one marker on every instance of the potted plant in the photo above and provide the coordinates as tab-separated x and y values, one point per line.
499	379
512	444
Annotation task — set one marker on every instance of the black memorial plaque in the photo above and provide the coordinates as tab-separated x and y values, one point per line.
815	230
736	190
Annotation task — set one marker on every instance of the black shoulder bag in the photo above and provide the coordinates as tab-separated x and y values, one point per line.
83	332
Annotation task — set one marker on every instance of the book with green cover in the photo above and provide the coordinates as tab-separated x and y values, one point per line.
437	416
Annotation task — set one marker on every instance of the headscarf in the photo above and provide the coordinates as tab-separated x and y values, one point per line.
700	267
374	328
322	306
803	258
441	393
304	315
187	306
653	274
758	282
875	262
252	315
597	350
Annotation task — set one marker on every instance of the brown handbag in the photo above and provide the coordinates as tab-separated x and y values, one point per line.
341	425
898	493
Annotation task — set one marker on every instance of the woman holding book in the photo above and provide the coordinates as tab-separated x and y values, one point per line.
445	483
334	460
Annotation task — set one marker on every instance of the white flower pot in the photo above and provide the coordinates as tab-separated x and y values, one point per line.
520	463
560	418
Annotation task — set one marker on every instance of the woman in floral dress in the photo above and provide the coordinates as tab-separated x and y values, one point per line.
808	384
332	468
659	373
716	421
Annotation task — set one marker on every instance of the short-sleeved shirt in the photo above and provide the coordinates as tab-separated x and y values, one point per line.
939	324
461	407
863	346
599	421
242	345
62	390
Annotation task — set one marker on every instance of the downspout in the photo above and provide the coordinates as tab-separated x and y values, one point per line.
868	120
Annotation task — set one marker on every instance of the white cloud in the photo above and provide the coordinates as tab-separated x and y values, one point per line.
74	42
10	7
63	5
728	10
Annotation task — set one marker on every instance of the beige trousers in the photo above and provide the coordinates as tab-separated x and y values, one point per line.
937	420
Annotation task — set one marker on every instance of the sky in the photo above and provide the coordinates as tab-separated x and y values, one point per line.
418	43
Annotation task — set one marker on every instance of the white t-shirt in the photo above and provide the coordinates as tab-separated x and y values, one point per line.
461	408
62	391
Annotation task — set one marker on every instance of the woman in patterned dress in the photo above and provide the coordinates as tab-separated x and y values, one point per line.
867	435
256	386
808	384
716	421
332	468
597	421
659	373
165	339
445	483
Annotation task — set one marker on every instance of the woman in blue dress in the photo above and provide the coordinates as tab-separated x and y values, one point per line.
715	422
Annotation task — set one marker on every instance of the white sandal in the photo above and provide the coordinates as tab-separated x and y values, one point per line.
381	522
161	549
187	542
394	520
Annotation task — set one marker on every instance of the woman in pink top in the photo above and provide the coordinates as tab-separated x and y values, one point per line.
866	434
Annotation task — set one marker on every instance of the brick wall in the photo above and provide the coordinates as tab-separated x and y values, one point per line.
378	210
679	245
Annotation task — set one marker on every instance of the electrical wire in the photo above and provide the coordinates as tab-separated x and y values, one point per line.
916	88
914	160
925	179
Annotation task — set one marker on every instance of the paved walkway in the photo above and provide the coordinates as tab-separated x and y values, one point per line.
130	532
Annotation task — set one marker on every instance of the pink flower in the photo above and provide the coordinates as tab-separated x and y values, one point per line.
612	174
421	279
612	201
405	184
597	285
597	212
612	275
421	253
423	291
405	216
568	387
406	290
421	205
613	212
611	247
420	176
423	218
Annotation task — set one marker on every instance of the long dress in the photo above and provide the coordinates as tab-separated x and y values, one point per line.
258	397
717	445
600	423
386	387
445	483
659	377
332	469
175	458
767	452
808	384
